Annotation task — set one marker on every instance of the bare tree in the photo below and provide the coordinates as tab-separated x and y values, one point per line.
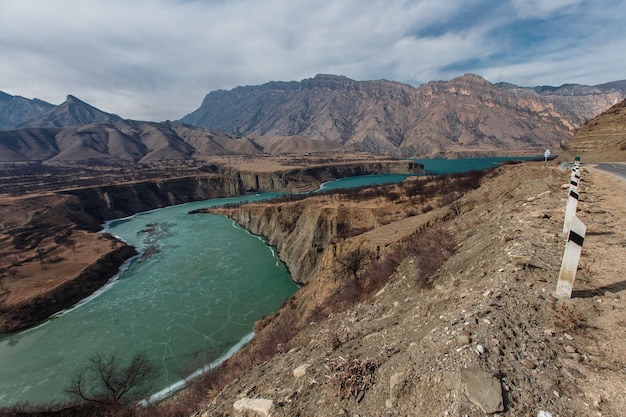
353	261
108	381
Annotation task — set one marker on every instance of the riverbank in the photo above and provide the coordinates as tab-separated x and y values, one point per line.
484	322
51	253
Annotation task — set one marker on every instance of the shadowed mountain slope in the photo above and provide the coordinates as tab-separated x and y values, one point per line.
15	110
139	142
73	112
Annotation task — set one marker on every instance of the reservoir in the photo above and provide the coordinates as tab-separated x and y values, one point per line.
194	295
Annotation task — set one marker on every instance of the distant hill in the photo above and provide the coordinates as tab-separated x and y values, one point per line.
18	112
72	112
602	139
138	142
462	117
15	110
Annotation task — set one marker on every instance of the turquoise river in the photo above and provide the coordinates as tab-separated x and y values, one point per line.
191	299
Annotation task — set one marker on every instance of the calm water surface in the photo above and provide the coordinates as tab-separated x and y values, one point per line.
195	297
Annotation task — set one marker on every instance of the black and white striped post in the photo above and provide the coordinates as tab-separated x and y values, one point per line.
572	199
571	256
570	210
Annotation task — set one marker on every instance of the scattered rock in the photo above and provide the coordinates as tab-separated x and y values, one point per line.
396	382
301	370
463	340
482	389
261	406
528	364
570	349
574	373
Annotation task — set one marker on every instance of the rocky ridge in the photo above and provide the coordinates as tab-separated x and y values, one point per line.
465	116
603	139
15	110
139	142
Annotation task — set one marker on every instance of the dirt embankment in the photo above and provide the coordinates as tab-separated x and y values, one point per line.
485	336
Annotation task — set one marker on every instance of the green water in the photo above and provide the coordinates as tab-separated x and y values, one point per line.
452	166
193	299
363	180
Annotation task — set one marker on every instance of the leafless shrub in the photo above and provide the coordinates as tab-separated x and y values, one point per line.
353	262
107	381
351	377
427	208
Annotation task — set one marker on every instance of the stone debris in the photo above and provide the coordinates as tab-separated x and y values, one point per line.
463	340
300	371
396	381
482	389
260	406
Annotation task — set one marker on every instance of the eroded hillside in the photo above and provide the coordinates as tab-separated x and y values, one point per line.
603	139
481	334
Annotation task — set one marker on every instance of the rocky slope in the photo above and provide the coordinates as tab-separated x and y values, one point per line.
603	139
18	112
140	142
464	116
484	336
15	110
72	112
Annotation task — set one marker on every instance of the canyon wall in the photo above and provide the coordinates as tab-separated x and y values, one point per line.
115	201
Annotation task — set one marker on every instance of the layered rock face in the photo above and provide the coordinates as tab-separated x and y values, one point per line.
114	201
603	139
465	116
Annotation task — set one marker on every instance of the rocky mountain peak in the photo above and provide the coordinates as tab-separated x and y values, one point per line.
14	110
466	116
72	112
4	96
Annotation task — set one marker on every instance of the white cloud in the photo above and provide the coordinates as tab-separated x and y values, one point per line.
542	8
156	59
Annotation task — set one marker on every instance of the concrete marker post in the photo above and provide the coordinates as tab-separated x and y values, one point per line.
570	210
571	256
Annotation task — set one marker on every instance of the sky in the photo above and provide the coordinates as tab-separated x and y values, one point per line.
157	59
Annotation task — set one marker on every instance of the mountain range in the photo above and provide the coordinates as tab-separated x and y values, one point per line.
18	112
136	141
466	116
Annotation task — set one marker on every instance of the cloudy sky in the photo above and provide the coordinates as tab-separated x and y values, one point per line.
157	59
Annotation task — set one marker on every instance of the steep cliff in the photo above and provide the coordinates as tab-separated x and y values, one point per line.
440	118
114	201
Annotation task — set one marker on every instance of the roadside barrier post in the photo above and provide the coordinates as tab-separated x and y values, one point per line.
570	210
571	256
